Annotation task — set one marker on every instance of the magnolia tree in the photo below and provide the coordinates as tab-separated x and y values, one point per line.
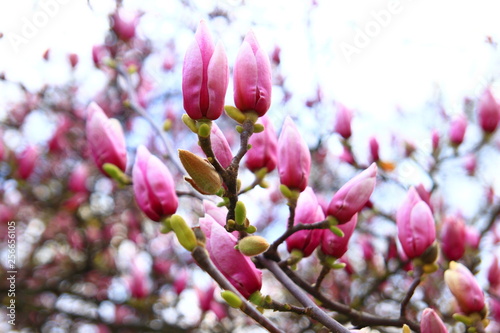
217	223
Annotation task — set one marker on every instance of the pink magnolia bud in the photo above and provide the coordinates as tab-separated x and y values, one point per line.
99	52
347	156
252	77
470	164
26	161
264	151
472	237
154	187
105	138
294	158
464	287
424	194
335	246
205	76
435	140
307	211
78	179
488	112
494	273
343	121
180	282
374	147
416	229
458	127
353	196
124	24
453	236
431	323
220	146
236	267
73	59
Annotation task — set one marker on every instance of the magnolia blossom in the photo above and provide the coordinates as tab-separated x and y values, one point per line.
353	196
416	229
105	138
154	186
294	158
488	112
307	211
464	287
453	235
343	121
220	146
124	23
264	151
458	127
26	162
374	148
237	268
252	77
336	246
205	76
78	179
431	323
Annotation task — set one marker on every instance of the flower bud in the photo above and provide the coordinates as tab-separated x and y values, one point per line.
73	59
78	179
252	77
488	112
494	273
453	236
353	196
343	121
204	178
458	127
374	147
472	237
307	211
124	24
464	287
335	246
220	147
185	235
154	186
105	138
294	158
253	245
435	138
232	299
416	229
205	76
26	161
264	151
431	323
237	268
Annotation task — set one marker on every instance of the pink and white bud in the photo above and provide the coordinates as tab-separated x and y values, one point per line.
458	127
264	151
237	268
26	162
374	148
416	229
336	246
205	76
294	157
73	60
453	235
124	24
494	274
220	146
154	187
307	211
353	196
78	179
343	121
431	323
105	138
464	287
488	112
435	138
252	77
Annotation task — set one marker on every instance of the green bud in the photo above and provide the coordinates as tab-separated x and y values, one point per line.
239	129
165	226
251	229
256	298
167	125
232	299
204	178
257	128
235	114
463	319
190	123
295	256
337	231
287	193
406	329
253	245
204	130
114	172
240	213
184	233
331	262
